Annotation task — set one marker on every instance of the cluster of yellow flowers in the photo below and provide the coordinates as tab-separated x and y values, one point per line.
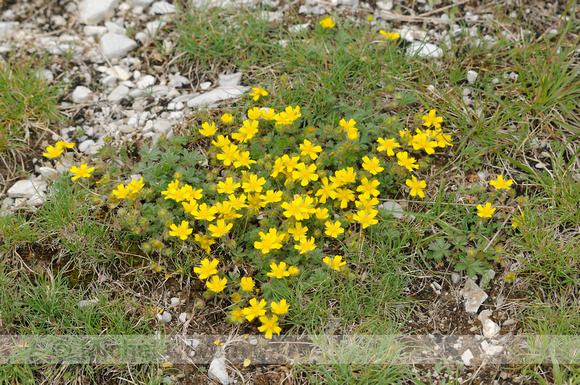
309	193
256	309
426	140
53	152
487	210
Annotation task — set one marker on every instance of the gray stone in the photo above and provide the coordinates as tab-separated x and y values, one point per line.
424	50
81	94
86	146
87	302
161	8
490	328
7	26
48	173
45	74
141	36
94	30
118	93
471	76
217	95
119	72
491	350
473	296
230	80
178	81
162	126
466	357
297	28
116	46
27	188
182	317
141	3
455	278
152	27
205	85
115	28
145	81
165	316
385	5
95	11
217	369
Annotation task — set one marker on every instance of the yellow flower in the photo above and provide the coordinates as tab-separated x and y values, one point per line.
298	231
501	183
208	129
53	152
81	172
516	222
204	212
256	309
485	212
432	120
366	218
271	196
228	186
305	173
269	326
421	141
293	270
372	165
387	145
228	154
257	92
227	118
278	271
207	268
345	195
269	241
509	278
389	35
253	184
334	263
280	308
305	245
236	297
247	284
205	242
347	125
237	315
182	231
405	161
216	284
333	229
61	144
326	190
321	213
220	228
416	186
221	141
369	186
327	23
243	159
254	113
308	149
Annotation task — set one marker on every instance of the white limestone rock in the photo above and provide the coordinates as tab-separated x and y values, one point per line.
471	76
490	328
81	94
217	369
217	95
466	357
116	46
118	93
94	30
7	26
28	188
474	296
427	50
230	80
161	8
95	11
